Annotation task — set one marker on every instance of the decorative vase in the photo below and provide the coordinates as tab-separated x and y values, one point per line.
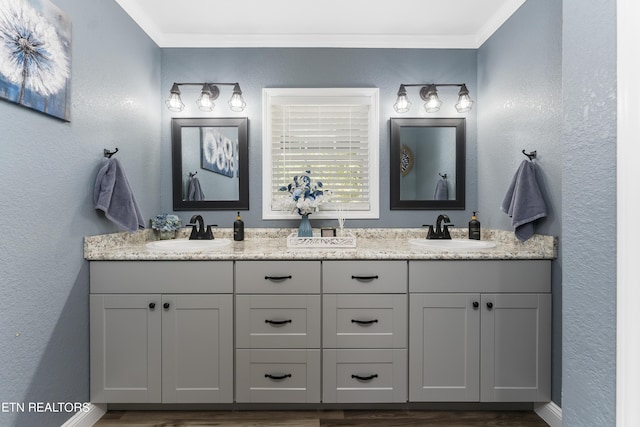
305	229
166	235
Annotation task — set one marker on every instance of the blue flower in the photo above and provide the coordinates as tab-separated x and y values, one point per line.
306	196
166	222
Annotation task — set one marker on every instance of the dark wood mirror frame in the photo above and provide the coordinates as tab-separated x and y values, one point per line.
395	157
179	204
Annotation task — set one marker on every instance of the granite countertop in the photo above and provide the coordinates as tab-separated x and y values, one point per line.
271	244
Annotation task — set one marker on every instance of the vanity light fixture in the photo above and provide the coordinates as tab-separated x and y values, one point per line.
208	94
429	94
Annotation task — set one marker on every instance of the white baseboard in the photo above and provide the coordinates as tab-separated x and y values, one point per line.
550	413
89	418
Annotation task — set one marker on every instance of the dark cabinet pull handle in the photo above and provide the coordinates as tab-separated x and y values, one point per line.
277	278
369	378
489	305
364	322
152	305
277	322
364	277
277	377
166	305
476	304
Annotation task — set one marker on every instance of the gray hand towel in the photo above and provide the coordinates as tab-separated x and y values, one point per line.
195	191
112	194
442	190
523	201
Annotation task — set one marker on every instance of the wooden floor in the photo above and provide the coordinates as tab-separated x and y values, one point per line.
320	419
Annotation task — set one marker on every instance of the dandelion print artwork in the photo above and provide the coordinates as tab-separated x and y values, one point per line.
220	150
35	56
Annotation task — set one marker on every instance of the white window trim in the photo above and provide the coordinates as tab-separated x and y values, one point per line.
269	96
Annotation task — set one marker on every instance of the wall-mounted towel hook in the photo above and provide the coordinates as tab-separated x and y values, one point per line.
108	153
442	176
192	174
532	155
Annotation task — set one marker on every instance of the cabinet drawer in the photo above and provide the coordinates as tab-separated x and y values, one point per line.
364	376
162	277
493	276
352	277
364	321
278	321
277	277
278	376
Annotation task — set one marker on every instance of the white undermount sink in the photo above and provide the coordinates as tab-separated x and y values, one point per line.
186	245
453	244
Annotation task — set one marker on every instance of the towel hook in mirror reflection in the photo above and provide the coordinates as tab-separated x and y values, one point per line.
192	174
532	155
442	176
108	153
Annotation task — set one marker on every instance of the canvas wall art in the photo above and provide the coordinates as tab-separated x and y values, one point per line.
219	150
35	56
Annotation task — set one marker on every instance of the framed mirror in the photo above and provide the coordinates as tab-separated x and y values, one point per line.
210	160
427	163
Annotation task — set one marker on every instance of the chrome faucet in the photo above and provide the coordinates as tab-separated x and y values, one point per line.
198	231
441	231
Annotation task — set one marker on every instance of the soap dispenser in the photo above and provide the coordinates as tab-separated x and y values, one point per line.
238	229
474	228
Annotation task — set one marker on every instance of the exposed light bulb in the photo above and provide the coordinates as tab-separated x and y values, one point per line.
174	103
236	103
464	100
205	102
433	104
402	104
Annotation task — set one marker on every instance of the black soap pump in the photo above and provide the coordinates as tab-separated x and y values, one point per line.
238	229
474	228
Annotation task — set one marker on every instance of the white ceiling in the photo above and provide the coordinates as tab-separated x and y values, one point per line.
326	23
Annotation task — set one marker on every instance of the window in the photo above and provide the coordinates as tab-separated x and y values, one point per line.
333	133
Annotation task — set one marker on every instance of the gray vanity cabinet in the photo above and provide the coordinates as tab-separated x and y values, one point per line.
278	331
364	323
169	347
480	331
126	346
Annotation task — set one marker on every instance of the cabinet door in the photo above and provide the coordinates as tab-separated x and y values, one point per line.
197	348
125	348
516	347
444	347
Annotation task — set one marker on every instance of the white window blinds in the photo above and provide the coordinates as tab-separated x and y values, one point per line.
330	136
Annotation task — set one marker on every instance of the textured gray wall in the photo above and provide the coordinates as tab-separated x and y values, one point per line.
47	171
520	107
589	212
255	69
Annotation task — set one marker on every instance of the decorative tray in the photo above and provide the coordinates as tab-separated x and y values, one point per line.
346	241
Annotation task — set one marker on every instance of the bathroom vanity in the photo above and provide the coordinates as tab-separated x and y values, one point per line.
259	322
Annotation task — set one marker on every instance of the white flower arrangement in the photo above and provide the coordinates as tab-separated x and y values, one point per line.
306	195
166	222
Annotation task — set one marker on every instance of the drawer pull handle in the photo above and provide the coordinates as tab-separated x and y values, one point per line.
277	322
369	378
166	305
364	277
277	278
277	377
364	322
489	305
476	304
